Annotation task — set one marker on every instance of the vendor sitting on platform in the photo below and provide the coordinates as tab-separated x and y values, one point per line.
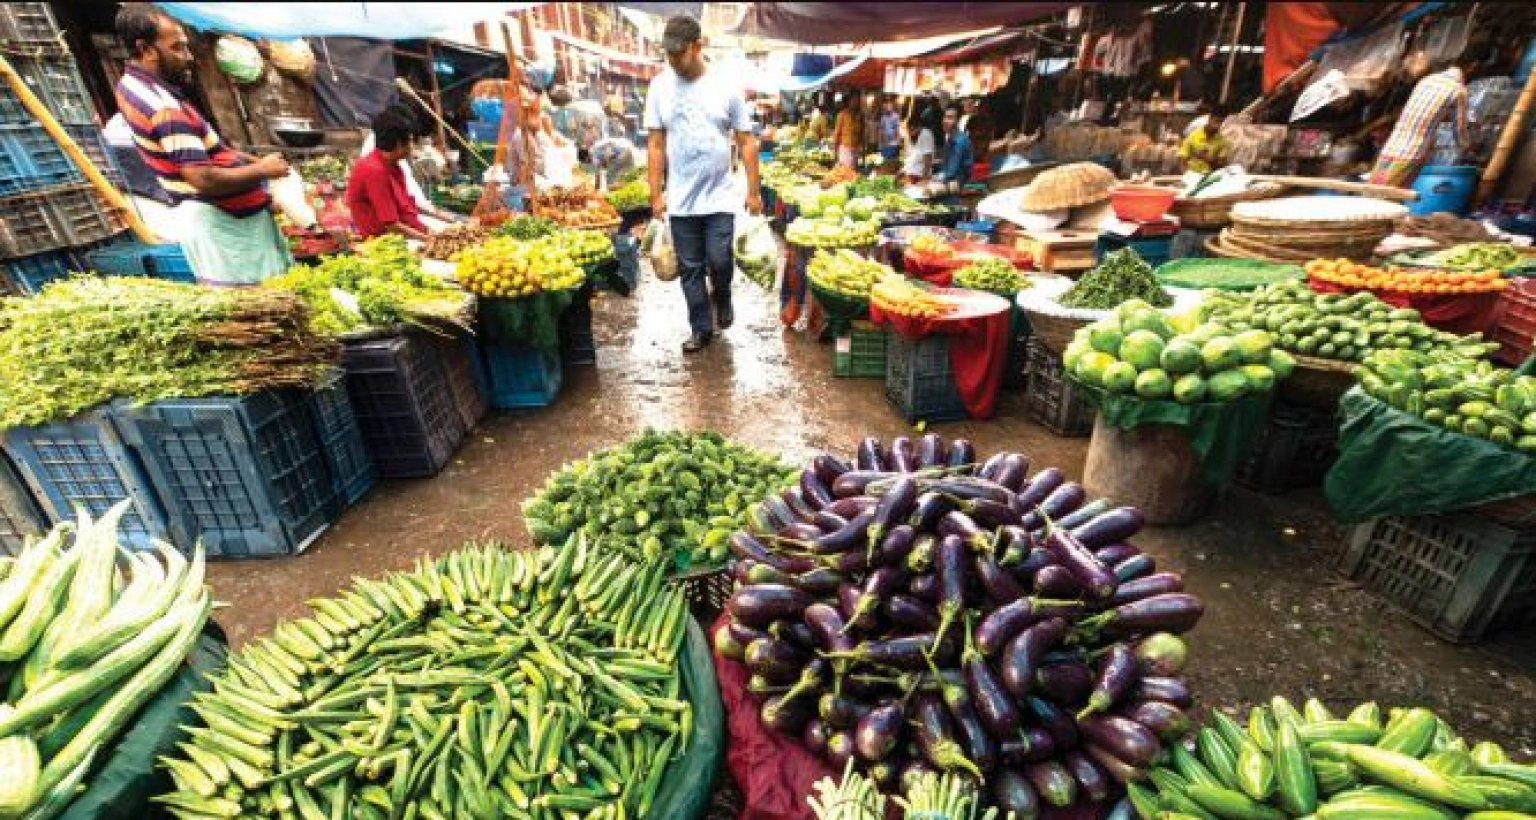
959	158
376	191
1205	149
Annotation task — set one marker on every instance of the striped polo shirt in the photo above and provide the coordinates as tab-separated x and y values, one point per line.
171	135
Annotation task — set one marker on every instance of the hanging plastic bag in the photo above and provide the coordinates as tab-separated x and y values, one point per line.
292	201
239	58
658	246
757	252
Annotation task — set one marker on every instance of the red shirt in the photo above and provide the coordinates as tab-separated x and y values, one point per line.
377	196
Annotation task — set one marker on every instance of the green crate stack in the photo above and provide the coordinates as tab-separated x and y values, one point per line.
859	353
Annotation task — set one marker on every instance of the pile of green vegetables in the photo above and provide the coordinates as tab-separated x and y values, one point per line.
927	796
1309	763
89	340
993	275
380	284
1225	274
328	169
459	198
1475	398
1479	256
1332	325
664	495
486	683
631	196
529	227
83	650
1122	276
873	186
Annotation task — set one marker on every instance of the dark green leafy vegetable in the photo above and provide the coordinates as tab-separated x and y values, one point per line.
1121	277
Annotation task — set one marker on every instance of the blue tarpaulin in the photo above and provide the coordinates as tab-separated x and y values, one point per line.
378	21
817	81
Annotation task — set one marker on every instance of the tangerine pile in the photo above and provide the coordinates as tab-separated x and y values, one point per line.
1353	275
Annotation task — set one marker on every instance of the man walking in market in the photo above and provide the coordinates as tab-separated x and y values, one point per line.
692	113
229	235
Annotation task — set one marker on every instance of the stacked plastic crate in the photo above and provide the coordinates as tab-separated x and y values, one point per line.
49	215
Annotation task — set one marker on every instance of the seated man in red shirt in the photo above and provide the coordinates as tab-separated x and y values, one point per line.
376	192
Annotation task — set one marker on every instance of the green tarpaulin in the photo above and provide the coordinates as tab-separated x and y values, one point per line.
1221	434
532	320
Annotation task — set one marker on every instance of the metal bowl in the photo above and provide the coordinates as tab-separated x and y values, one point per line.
299	137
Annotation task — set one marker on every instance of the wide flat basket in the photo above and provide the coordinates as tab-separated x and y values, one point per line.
1054	332
1210	213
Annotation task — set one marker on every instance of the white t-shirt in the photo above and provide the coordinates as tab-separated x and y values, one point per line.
919	161
700	119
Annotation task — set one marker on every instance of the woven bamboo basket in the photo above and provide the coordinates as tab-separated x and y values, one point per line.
1211	213
1054	332
1317	382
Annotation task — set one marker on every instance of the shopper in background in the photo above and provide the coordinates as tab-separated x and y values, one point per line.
557	156
848	134
921	144
377	194
221	197
692	114
1205	149
818	129
1435	98
958	155
890	132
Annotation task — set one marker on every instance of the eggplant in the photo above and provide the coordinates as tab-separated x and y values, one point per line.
911	614
869	455
902	456
989	468
1012	471
960	526
840	711
897	545
827	624
1173	612
979	746
802	509
1082	515
1014	542
990	514
852	562
879	731
816	493
1136	566
1021	657
994	704
762	604
796	632
930	451
1003	623
1115	553
929	508
854	482
1126	739
1139	588
851	506
1167	721
814	736
1094	577
1056	721
754	573
893	509
743	634
1028	746
949	567
745	546
819	582
1013	795
1000	586
920	559
828	467
1166	690
1123	809
962	453
1056	581
847	538
1062	500
964	488
924	588
878	585
777	660
840	750
847	602
935	736
800	532
759	686
1116	525
727	646
909	652
1065	682
1038	558
1117	769
1091	779
1043	484
1118	672
1054	783
786	716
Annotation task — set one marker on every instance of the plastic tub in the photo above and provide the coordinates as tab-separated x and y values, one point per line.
1141	203
1445	188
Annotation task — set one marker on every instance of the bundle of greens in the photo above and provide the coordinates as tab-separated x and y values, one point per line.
1121	277
529	227
380	285
89	340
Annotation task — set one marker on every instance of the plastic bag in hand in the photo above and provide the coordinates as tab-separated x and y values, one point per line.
757	252
658	246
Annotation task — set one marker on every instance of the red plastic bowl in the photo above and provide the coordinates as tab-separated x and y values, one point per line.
1141	203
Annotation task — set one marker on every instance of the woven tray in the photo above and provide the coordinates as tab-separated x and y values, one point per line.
1316	210
1218	248
1210	213
1317	382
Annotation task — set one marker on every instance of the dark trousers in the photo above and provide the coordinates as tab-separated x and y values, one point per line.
703	245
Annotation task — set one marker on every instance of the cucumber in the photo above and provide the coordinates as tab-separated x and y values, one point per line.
1412	734
1293	772
1381	807
1338	731
1230	805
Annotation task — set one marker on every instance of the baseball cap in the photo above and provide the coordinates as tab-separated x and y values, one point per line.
681	32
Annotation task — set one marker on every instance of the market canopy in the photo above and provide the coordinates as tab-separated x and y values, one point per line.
831	23
841	72
379	21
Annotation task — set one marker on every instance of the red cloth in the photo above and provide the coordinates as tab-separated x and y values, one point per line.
1460	313
377	196
978	347
940	269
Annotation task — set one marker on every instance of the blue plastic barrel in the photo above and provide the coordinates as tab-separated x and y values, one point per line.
983	227
1446	188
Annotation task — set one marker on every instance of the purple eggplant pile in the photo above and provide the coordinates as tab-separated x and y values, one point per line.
923	609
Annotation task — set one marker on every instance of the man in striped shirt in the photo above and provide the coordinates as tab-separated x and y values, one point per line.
1434	98
229	235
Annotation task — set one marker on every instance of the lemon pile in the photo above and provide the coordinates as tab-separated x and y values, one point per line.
510	268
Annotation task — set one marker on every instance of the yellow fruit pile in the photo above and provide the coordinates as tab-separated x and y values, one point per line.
931	244
898	295
509	268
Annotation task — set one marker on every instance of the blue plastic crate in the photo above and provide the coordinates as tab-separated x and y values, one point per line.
134	258
29	158
352	471
400	395
246	476
84	463
20	518
1155	250
521	376
29	274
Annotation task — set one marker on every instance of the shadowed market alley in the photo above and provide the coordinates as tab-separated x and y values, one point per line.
1279	618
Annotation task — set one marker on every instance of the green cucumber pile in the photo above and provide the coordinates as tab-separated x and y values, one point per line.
83	654
663	495
1475	398
487	683
1308	763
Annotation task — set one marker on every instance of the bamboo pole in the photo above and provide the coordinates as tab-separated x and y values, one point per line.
1237	35
437	97
115	199
515	79
1514	128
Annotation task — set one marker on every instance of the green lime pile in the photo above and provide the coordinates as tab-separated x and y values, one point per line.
992	275
1137	351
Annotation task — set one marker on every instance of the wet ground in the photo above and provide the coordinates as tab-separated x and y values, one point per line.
1279	618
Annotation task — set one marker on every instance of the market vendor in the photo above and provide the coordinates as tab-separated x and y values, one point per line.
848	133
959	157
433	217
922	144
230	236
1435	98
1205	149
376	192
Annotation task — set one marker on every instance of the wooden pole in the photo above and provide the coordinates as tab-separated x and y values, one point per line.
1237	36
437	97
1514	128
115	199
515	78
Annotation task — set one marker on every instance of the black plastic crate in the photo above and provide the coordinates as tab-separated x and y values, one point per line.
83	463
919	381
407	414
467	386
20	519
1017	375
1051	399
1459	575
352	471
52	75
578	347
48	219
246	476
1295	449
